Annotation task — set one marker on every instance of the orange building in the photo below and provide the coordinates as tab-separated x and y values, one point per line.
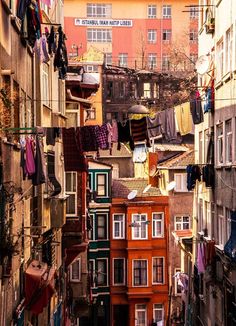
138	254
136	34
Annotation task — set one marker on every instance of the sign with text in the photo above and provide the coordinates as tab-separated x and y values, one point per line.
104	22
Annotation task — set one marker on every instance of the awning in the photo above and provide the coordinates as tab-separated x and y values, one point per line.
39	286
73	252
182	234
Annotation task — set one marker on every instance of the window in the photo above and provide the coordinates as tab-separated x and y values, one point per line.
71	190
228	219
101	185
152	36
181	182
157	270
206	143
140	272
194	12
200	156
165	62
221	226
72	114
152	61
152	11
219	140
158	313
61	96
178	287
99	35
45	84
123	59
139	226
118	226
157	225
219	59
75	271
108	58
92	273
141	314
193	36
91	114
228	141
119	271
229	50
99	10
102	272
182	222
91	230
166	11
166	35
146	90
102	226
200	215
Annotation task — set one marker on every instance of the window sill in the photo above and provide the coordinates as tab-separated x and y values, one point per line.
219	84
227	77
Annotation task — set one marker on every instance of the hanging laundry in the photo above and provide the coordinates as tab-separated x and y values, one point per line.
22	157
210	150
39	176
52	176
208	175
210	252
139	130
29	160
101	133
51	134
140	153
88	139
183	117
44	52
60	59
124	135
230	246
74	159
196	109
209	96
112	134
51	39
170	127
201	258
193	174
154	125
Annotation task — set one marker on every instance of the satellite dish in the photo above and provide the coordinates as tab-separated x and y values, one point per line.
202	64
153	171
171	186
146	188
132	194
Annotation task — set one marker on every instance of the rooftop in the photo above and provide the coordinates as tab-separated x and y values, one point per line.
122	187
181	160
170	147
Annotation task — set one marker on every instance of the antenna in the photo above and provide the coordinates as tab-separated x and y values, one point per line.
132	194
171	186
202	64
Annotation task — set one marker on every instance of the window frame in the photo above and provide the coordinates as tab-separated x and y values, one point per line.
220	59
176	285
157	266
182	222
136	228
193	12
152	60
123	59
219	144
99	35
105	184
161	221
152	11
103	227
106	274
139	269
104	8
124	271
162	309
183	182
70	192
152	36
121	227
165	63
229	49
165	14
228	142
75	280
193	36
166	35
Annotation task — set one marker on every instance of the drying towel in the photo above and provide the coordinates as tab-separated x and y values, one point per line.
183	117
74	159
139	130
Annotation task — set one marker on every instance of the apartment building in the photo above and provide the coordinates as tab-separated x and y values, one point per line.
155	35
138	254
213	300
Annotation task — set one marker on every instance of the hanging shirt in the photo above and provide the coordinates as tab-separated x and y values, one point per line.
88	139
209	105
183	117
101	133
124	135
196	109
40	173
170	130
29	157
154	125
139	130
